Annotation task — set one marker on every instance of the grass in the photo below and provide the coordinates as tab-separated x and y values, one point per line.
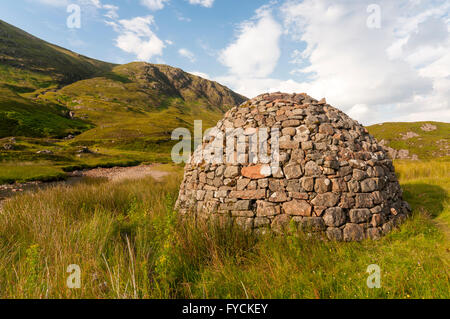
16	164
410	170
130	244
426	145
30	67
23	117
30	172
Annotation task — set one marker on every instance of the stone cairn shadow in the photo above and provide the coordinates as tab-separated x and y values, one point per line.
333	176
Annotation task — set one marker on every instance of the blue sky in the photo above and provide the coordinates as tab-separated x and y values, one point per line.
383	61
204	31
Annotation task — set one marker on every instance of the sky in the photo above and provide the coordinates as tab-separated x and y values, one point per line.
377	60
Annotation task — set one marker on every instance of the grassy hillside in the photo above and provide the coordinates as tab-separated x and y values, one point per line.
30	66
24	117
124	118
42	60
124	113
141	107
425	139
129	244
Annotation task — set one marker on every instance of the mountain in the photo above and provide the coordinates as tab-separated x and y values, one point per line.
29	60
61	111
48	91
414	140
139	105
28	64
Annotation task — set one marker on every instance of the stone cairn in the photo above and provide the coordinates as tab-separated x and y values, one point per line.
333	176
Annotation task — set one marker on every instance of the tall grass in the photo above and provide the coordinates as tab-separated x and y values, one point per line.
130	243
410	170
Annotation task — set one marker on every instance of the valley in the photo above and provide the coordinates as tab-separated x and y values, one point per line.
86	178
61	112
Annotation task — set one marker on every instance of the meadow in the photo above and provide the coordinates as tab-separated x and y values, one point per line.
129	243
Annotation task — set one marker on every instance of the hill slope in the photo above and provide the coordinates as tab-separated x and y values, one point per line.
40	83
28	64
416	140
46	62
142	104
54	102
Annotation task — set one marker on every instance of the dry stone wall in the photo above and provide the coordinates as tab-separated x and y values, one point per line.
333	177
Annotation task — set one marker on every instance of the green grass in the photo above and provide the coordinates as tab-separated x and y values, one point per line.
29	172
130	244
23	163
24	117
54	167
40	59
24	81
427	145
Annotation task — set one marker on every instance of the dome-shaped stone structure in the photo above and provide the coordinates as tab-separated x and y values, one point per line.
333	176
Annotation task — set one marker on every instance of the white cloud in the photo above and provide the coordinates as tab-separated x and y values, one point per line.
204	3
254	55
96	3
200	74
187	54
90	6
180	17
360	111
135	36
397	72
111	11
63	3
55	3
251	87
255	52
154	4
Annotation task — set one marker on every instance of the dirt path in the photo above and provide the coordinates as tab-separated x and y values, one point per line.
114	174
121	173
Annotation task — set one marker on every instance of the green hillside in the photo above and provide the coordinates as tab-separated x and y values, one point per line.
427	140
42	63
30	66
23	117
54	102
139	107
